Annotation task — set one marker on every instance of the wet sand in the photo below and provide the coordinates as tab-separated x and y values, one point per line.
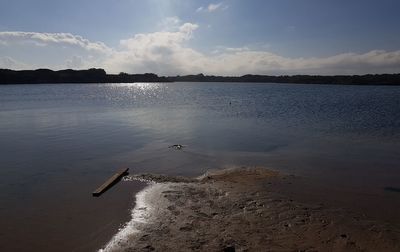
243	209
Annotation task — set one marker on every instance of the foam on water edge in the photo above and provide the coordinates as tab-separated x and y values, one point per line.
147	207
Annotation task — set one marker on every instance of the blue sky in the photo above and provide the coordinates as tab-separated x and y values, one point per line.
230	37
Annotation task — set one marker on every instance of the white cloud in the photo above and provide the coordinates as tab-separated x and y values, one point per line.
170	23
168	53
75	62
44	39
200	9
212	7
160	52
52	50
10	63
237	49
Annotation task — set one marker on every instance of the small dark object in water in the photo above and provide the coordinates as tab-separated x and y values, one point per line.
176	146
392	189
229	249
149	248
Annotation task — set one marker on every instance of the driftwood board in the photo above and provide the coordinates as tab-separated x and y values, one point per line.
110	182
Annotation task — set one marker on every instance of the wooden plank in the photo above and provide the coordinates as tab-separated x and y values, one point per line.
110	182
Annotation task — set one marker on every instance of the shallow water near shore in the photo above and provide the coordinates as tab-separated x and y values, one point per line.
59	142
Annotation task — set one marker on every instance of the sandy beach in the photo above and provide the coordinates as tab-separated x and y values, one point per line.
242	209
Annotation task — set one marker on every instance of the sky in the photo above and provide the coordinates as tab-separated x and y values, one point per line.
176	37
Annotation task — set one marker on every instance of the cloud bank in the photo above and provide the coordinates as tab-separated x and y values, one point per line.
44	39
168	53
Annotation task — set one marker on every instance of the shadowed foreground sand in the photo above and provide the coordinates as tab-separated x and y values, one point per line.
233	210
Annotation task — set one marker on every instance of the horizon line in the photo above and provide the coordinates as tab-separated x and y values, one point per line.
196	74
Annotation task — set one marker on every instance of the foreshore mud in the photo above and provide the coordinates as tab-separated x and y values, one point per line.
234	210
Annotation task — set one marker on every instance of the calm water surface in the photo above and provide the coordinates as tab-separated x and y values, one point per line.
59	142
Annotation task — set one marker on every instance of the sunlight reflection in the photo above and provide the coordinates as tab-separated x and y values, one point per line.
138	85
125	94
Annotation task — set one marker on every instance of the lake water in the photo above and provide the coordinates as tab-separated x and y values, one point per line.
59	142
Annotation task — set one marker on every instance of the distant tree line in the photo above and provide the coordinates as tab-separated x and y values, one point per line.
92	75
368	79
95	75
